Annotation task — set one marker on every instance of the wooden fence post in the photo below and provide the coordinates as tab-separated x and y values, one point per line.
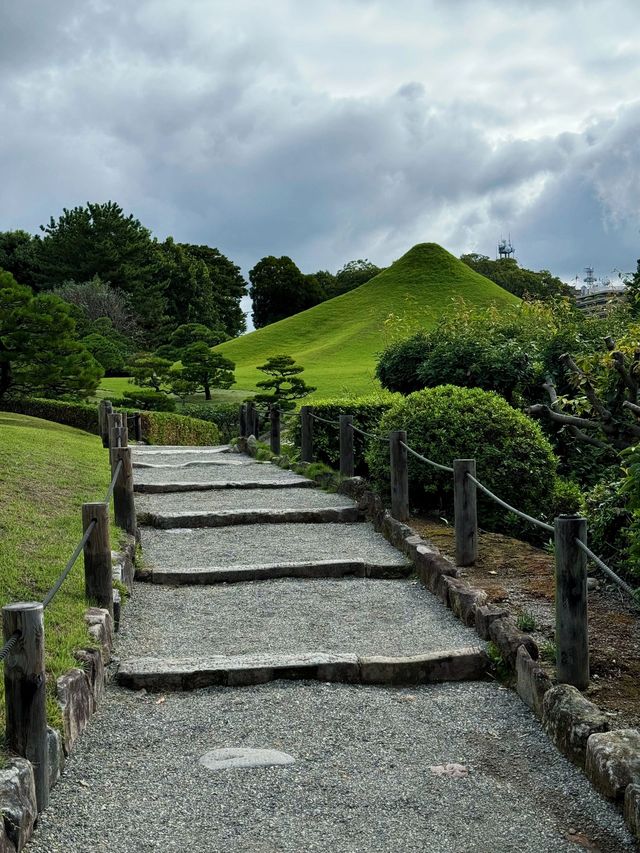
399	475
25	691
104	428
306	444
137	427
114	420
346	446
274	415
98	574
251	419
465	512
572	630
124	509
243	420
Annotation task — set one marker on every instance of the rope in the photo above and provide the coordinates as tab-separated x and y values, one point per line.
609	572
8	647
324	420
507	506
424	459
54	589
112	484
369	434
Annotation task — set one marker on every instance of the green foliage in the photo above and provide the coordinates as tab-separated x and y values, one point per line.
187	286
20	255
278	290
82	416
106	352
227	286
205	369
498	663
549	652
165	428
102	309
193	333
609	518
353	274
150	371
513	457
524	283
366	411
567	498
526	621
224	415
338	340
39	349
285	384
146	400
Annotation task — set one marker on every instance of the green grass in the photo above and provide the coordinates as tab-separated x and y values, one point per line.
113	387
47	471
337	341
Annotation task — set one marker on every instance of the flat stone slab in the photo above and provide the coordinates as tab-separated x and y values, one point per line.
163	674
265	544
207	485
254	473
273	571
239	499
363	617
362	779
230	758
231	517
150	450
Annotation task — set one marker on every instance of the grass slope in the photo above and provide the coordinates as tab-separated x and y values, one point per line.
47	471
337	341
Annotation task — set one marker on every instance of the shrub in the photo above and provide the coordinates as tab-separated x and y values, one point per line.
226	416
366	412
513	457
609	517
150	401
79	415
167	428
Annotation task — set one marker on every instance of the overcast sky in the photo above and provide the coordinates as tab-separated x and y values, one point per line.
332	129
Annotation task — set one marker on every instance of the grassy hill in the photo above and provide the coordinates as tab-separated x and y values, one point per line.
337	341
46	472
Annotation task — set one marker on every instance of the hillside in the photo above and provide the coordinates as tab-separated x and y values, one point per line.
337	341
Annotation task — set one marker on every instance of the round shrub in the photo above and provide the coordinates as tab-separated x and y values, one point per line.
513	457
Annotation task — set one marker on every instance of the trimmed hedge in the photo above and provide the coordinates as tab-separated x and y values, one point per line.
157	427
367	412
513	457
226	416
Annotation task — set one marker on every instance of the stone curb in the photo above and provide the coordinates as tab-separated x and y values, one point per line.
78	692
312	569
156	674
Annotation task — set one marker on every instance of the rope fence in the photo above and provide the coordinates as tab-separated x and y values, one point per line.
370	435
535	521
428	461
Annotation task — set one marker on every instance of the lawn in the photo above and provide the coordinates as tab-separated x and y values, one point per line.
113	387
47	471
337	341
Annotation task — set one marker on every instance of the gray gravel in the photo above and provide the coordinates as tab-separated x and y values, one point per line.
206	473
260	544
149	450
361	780
364	617
230	499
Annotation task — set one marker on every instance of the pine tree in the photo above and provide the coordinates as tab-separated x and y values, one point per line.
285	386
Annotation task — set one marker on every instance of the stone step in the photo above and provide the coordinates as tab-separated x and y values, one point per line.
271	571
165	674
170	486
230	517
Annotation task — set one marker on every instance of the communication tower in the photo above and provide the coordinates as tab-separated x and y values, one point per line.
505	248
589	277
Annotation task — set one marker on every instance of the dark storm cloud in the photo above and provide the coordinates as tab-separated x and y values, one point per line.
341	130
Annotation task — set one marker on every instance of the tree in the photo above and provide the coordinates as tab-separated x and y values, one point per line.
187	285
106	352
522	282
227	284
353	274
99	239
206	369
150	371
278	290
39	349
285	386
97	301
20	255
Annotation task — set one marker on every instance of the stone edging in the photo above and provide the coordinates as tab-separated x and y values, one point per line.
79	692
580	730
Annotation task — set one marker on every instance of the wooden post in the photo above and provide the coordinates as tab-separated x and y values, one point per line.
465	512
137	426
572	630
114	420
124	509
346	446
251	417
25	691
399	476
243	420
98	576
124	435
108	409
101	417
306	445
274	415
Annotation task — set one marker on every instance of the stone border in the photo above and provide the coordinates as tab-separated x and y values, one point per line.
79	692
580	730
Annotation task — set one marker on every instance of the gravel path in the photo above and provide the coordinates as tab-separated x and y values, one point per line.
361	780
259	544
365	617
240	499
206	473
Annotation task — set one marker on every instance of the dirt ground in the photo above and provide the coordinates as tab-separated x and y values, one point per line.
521	577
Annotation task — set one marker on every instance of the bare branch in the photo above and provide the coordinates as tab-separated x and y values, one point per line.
589	390
589	439
635	409
540	410
550	388
627	377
